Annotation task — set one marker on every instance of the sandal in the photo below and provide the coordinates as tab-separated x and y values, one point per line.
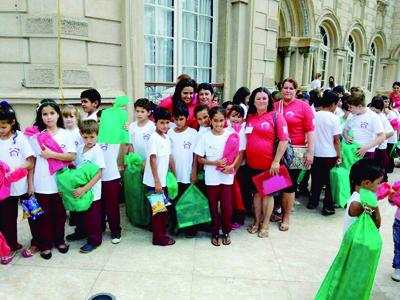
263	233
7	259
215	241
226	239
275	218
63	248
284	227
29	252
252	229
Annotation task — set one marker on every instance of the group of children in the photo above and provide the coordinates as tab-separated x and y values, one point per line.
166	146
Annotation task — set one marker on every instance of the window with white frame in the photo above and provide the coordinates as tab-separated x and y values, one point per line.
323	54
351	54
372	64
178	39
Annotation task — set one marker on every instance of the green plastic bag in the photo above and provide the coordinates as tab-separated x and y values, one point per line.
112	123
349	156
340	185
192	208
352	273
69	180
136	205
393	151
172	185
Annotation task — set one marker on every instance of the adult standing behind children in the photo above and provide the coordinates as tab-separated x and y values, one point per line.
241	98
90	101
261	135
300	120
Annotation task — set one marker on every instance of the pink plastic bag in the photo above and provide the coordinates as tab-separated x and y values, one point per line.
7	177
231	150
4	248
395	124
383	191
45	138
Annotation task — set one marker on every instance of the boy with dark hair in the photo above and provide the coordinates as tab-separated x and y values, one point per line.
90	101
365	125
327	151
158	159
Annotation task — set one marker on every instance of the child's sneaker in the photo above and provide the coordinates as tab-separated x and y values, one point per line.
87	248
235	226
116	239
7	259
396	275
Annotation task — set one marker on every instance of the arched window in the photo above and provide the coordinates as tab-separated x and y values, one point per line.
372	64
323	54
351	55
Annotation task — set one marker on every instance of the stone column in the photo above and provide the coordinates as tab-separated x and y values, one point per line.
286	62
339	56
306	51
363	79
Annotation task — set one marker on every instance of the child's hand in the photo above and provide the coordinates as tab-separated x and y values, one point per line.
158	188
31	190
228	169
221	162
79	192
338	161
369	210
193	178
126	126
349	140
46	152
361	152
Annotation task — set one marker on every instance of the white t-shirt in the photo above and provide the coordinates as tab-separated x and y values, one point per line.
76	136
14	152
339	112
390	116
203	130
212	147
327	125
140	136
349	220
365	127
182	148
387	129
315	84
110	153
94	155
161	147
43	182
93	116
245	109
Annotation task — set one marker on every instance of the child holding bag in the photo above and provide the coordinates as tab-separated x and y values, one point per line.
17	153
210	149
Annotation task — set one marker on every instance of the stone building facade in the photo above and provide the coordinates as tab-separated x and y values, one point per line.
139	47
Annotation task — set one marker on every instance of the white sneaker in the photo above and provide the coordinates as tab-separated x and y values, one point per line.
116	240
396	275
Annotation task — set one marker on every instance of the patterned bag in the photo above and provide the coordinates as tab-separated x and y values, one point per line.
299	154
287	157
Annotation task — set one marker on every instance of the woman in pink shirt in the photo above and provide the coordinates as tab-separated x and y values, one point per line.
260	156
395	95
300	121
184	93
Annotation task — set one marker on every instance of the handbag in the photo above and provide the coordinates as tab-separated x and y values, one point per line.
287	157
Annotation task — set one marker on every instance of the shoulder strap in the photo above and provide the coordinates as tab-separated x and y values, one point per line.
275	116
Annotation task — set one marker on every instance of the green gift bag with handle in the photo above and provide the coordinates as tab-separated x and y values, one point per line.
112	123
172	185
352	273
192	208
136	205
69	180
339	178
349	156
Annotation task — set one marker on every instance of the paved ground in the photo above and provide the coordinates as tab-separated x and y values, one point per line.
287	265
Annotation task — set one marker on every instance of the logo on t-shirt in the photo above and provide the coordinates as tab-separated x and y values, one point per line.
62	146
146	136
290	114
104	147
265	125
76	143
187	145
14	152
364	125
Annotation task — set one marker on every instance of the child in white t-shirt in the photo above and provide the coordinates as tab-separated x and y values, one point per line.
141	130
365	125
327	152
110	189
392	115
210	149
90	102
183	140
377	106
46	230
158	159
89	223
71	117
17	153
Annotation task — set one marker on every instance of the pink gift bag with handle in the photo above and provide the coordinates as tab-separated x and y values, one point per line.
231	150
7	178
45	138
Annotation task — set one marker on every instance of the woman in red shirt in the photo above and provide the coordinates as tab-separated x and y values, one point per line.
300	120
395	95
184	93
260	156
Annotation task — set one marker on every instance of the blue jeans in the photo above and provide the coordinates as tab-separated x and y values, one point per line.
396	240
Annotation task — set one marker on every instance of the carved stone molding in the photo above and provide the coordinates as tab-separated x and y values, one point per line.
382	6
